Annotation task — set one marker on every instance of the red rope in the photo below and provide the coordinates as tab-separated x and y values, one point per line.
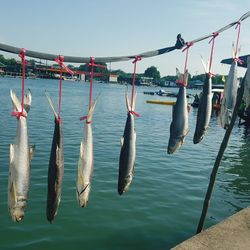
137	58
92	65
238	26
184	82
60	61
212	52
238	35
23	62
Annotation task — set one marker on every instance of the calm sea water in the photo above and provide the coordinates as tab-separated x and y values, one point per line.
164	202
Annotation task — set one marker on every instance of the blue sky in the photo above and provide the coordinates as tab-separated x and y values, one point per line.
124	27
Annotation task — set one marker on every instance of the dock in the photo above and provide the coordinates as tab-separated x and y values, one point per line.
231	233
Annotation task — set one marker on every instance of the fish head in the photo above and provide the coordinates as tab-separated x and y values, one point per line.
83	195
124	184
173	144
226	119
17	214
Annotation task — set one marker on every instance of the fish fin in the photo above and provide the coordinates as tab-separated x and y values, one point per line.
12	153
32	151
81	150
51	104
27	101
57	155
12	191
122	141
15	101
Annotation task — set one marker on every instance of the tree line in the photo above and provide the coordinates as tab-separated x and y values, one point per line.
151	72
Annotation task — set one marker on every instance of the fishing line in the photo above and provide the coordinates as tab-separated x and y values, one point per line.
23	63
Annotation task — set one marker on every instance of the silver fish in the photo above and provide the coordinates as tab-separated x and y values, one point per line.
128	151
179	124
86	161
246	96
20	157
56	168
204	110
229	97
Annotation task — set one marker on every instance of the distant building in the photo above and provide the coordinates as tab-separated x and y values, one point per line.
145	81
170	84
2	66
113	78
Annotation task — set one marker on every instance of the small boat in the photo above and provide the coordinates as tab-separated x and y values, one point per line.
161	102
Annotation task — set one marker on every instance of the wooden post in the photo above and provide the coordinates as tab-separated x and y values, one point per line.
219	156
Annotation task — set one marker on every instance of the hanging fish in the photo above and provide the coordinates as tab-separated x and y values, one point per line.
179	124
128	150
246	96
20	157
230	94
204	109
86	161
56	167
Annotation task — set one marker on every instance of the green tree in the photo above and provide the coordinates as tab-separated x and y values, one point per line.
152	72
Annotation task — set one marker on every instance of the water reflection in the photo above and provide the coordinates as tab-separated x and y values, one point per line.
237	171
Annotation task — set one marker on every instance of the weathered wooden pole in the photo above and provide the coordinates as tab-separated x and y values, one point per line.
219	157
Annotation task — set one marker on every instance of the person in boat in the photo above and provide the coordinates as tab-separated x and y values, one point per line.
216	99
196	98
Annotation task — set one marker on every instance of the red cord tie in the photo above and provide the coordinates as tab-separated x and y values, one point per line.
215	34
18	114
188	45
85	118
59	119
93	64
137	58
60	61
211	74
238	60
134	113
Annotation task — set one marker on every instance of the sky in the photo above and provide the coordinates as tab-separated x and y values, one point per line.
126	27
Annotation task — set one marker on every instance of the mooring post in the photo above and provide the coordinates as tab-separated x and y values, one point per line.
219	157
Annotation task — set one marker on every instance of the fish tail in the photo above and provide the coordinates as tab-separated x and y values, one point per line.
91	110
180	77
27	101
51	104
130	107
205	65
17	104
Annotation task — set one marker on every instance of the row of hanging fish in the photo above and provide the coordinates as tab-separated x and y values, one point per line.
21	154
179	125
